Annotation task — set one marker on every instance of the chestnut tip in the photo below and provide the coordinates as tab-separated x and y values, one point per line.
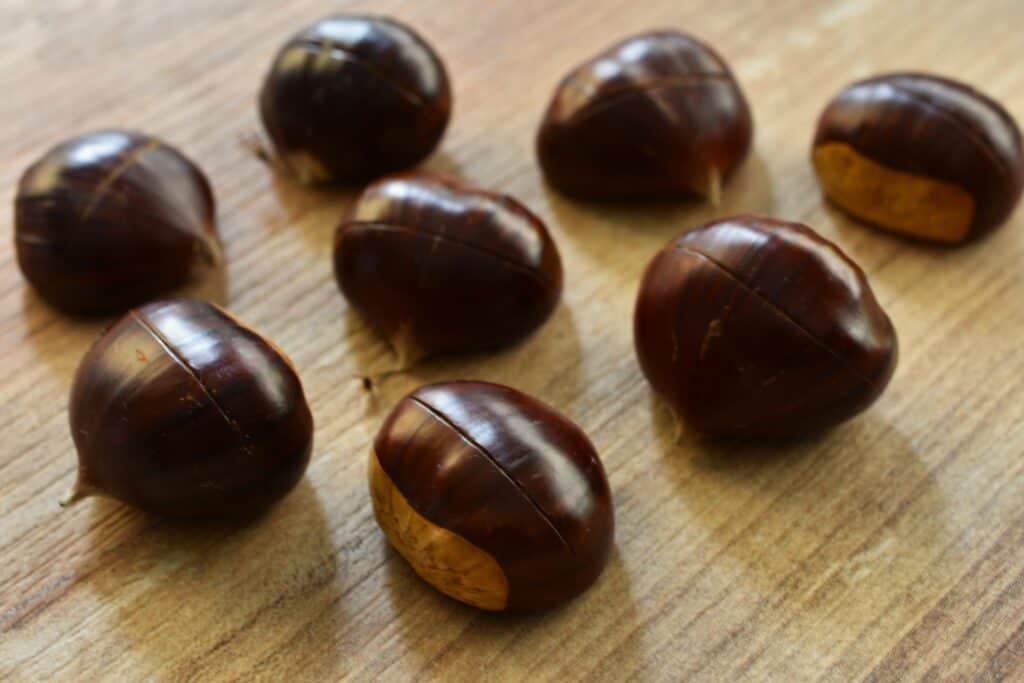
300	167
81	489
210	250
253	143
714	191
678	428
264	152
408	351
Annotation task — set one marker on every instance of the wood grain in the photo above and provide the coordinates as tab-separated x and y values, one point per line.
890	549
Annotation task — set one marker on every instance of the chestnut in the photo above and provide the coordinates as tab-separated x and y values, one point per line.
656	116
756	327
182	411
351	98
107	220
494	498
920	155
438	267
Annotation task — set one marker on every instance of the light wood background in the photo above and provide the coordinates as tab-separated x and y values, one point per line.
890	549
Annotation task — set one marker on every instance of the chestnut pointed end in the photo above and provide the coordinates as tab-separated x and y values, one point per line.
714	188
305	168
678	430
254	145
299	167
407	349
210	250
82	488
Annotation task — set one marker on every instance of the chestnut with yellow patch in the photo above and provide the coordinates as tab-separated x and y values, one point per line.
445	560
920	155
494	498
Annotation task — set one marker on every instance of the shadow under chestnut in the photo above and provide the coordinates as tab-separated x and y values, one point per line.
829	510
434	627
442	163
164	577
607	230
546	364
315	211
62	352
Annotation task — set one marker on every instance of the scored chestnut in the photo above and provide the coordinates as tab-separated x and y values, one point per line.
438	267
756	327
351	98
659	115
920	155
107	220
182	411
494	498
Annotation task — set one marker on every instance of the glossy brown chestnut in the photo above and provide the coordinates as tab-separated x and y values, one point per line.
438	267
494	498
180	410
351	98
755	327
920	155
656	116
110	219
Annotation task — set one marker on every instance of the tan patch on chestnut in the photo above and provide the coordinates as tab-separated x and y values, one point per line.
408	350
306	167
894	200
445	560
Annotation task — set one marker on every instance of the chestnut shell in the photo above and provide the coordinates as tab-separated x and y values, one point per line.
935	128
658	115
510	475
438	267
109	219
352	98
182	411
756	327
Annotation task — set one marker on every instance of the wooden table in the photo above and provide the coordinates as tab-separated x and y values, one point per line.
889	549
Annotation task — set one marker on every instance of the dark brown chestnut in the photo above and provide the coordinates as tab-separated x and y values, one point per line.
494	498
438	267
755	327
656	116
351	98
182	411
920	155
108	220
